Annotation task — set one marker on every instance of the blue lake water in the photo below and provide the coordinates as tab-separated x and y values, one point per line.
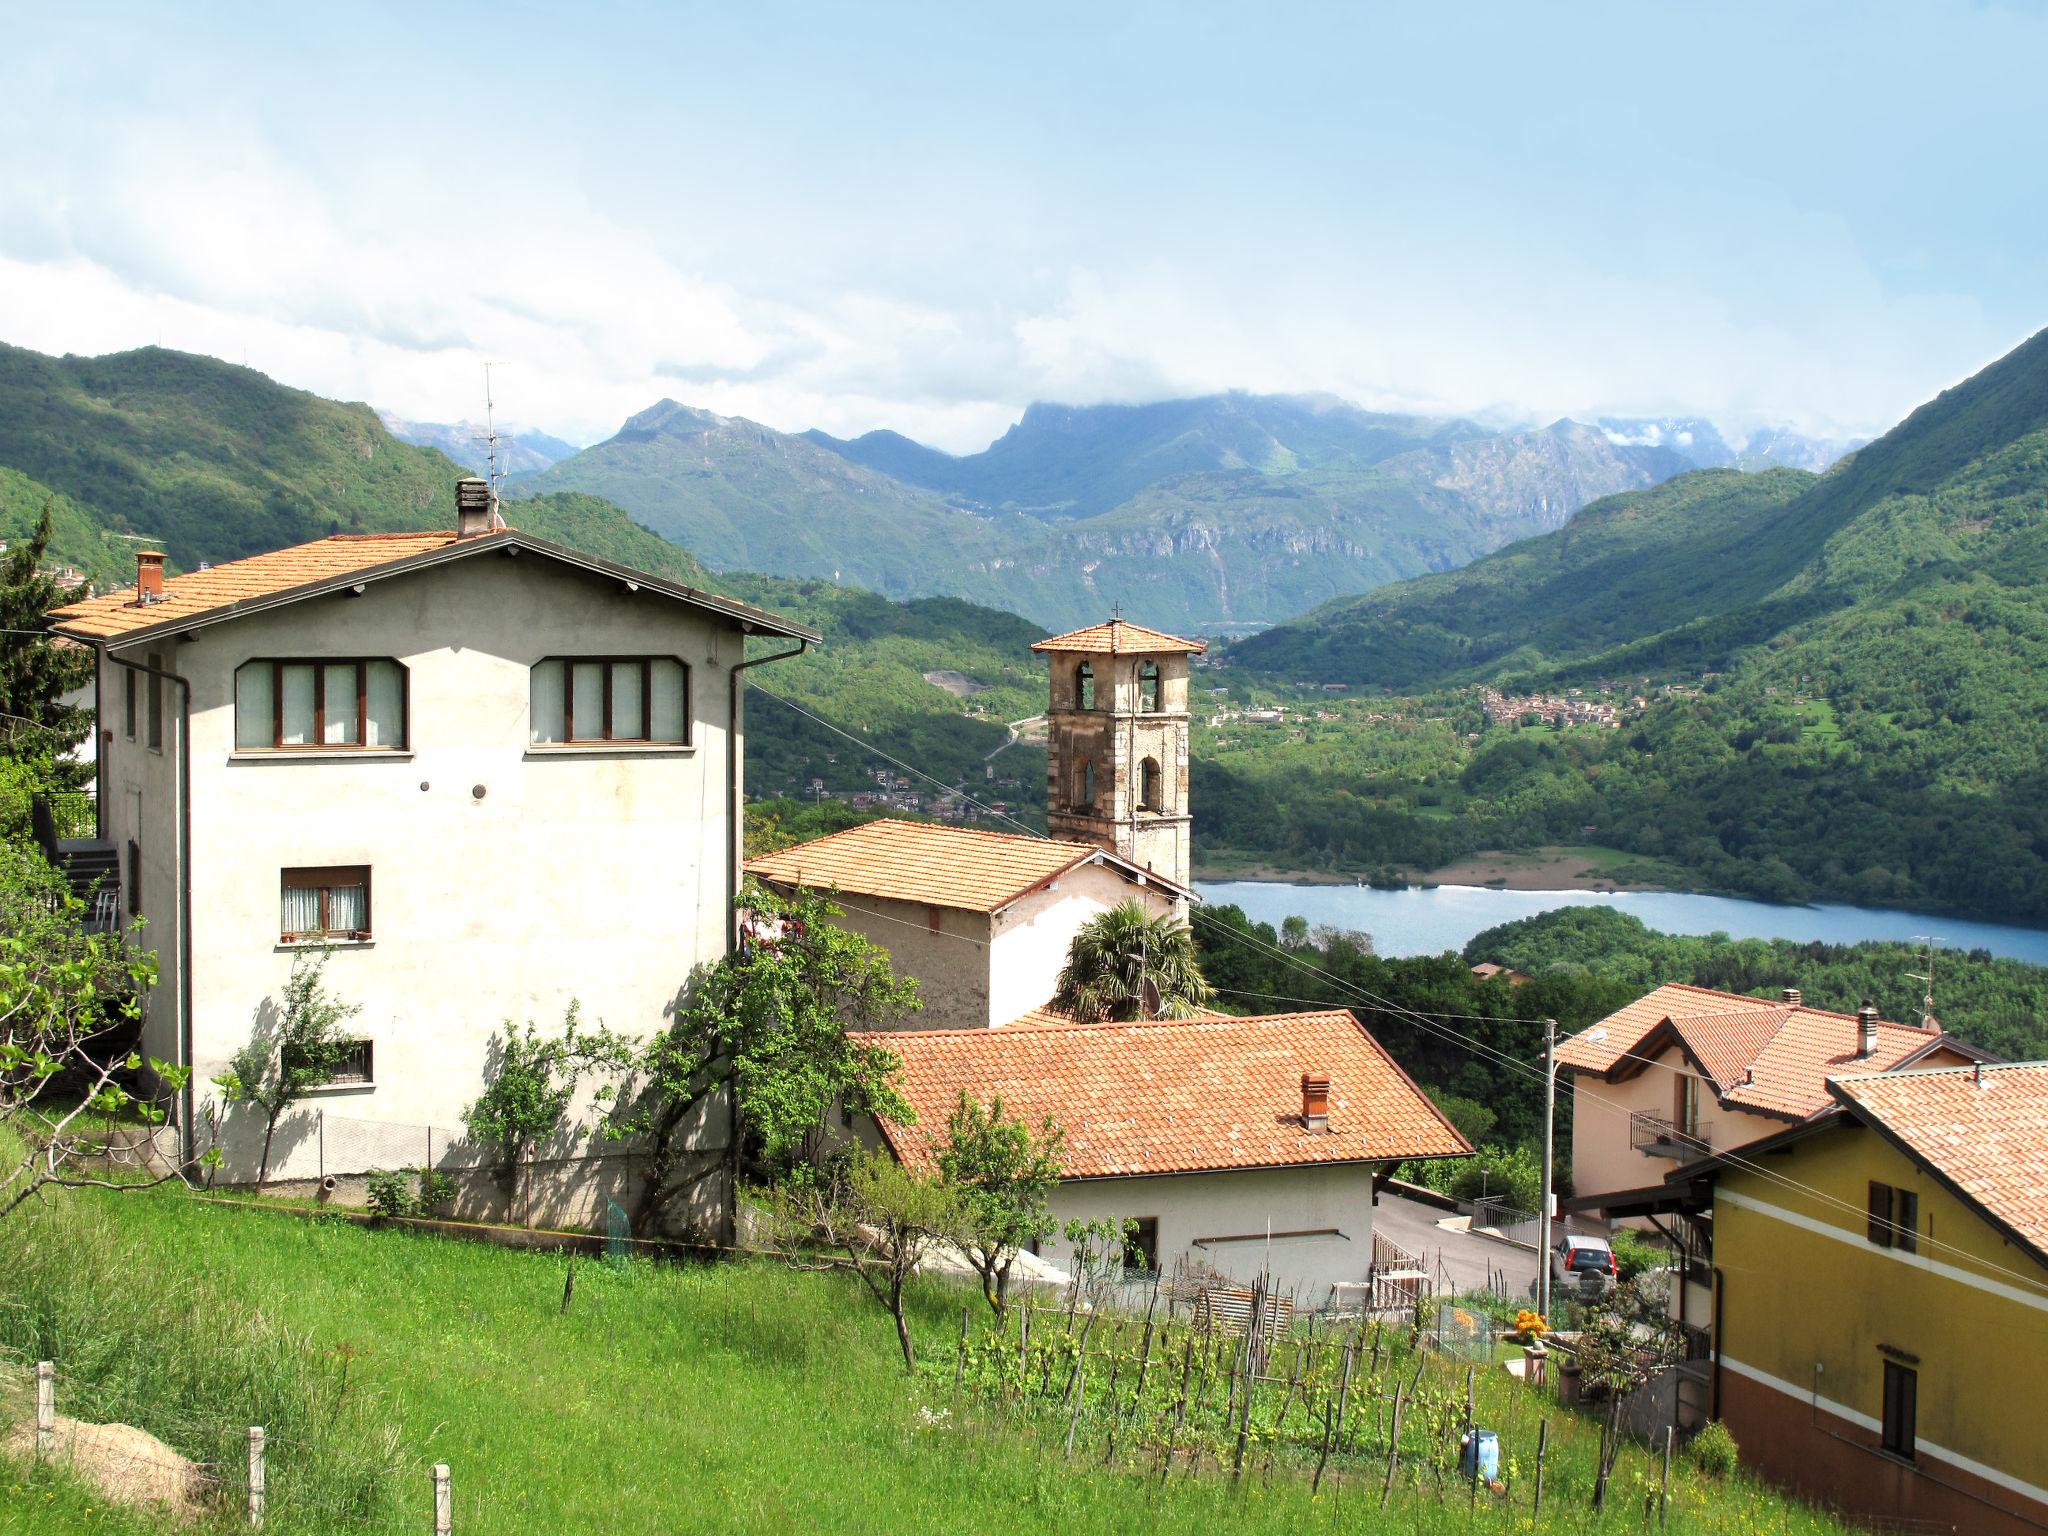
1427	921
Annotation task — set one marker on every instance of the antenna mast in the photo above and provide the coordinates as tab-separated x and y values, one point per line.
1927	1019
491	447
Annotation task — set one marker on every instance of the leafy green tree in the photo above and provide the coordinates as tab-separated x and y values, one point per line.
1116	954
1006	1177
65	993
880	1218
530	1080
34	671
292	1052
765	1030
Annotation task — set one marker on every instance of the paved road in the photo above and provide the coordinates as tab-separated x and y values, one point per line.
1468	1261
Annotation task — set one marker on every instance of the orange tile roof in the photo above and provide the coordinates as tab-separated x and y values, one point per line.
198	593
1770	1058
1984	1131
1120	637
938	866
1189	1096
1046	1016
206	596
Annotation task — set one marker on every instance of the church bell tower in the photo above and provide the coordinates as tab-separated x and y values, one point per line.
1117	764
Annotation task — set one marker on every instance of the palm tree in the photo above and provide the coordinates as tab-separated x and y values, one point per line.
1113	958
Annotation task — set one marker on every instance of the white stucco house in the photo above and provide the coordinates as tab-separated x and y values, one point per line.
982	920
1235	1146
495	775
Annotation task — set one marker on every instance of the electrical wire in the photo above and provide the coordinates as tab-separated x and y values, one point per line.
1426	1022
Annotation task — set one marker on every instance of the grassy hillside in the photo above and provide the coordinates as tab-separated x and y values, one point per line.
726	1398
78	534
213	460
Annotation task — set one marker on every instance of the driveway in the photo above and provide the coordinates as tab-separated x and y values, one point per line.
1469	1263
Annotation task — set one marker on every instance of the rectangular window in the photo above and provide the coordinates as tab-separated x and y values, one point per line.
357	1066
1906	1221
134	878
580	700
156	704
335	705
1879	1230
332	902
129	695
1141	1246
1901	1407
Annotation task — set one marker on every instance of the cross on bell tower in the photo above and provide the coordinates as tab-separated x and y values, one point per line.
1117	764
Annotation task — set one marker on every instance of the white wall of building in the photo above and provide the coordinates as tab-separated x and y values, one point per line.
1242	1206
506	880
975	970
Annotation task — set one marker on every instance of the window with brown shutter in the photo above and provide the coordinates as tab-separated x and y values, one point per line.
1880	1228
1899	1433
1906	1220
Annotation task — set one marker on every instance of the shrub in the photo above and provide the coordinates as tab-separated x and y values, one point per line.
1635	1254
1713	1449
437	1190
391	1195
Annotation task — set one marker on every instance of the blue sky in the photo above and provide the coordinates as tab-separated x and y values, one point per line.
925	217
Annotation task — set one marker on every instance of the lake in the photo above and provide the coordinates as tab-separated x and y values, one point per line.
1427	921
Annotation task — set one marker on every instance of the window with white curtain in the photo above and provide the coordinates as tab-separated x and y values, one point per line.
328	902
320	705
580	700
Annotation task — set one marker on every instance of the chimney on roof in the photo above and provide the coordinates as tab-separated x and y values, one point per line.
1866	1029
149	576
1315	1102
472	507
1793	996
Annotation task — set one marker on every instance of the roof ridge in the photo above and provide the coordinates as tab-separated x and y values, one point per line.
979	1031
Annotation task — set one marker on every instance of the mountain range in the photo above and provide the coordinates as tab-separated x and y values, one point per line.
521	450
1218	514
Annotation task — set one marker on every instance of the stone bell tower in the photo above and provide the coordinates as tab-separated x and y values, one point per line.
1117	764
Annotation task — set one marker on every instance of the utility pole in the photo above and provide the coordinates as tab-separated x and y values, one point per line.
1549	1138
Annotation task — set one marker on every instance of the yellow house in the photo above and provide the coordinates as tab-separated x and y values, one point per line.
1881	1298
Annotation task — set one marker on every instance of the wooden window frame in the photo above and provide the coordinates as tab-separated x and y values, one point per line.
319	743
132	695
1898	1427
1878	1210
323	878
1906	1220
646	663
156	701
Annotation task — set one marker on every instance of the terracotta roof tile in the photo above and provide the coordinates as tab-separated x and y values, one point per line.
1774	1058
1174	1097
198	593
1984	1130
939	866
1120	637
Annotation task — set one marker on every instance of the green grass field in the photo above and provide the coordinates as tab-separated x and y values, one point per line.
742	1397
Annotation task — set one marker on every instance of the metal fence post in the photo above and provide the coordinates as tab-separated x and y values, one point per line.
256	1476
444	1503
46	1410
322	1115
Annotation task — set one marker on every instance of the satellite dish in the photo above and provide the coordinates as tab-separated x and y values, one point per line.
1149	1002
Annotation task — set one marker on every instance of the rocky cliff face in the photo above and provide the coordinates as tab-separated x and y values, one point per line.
1541	478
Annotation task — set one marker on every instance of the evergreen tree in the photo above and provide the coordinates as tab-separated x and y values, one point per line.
34	671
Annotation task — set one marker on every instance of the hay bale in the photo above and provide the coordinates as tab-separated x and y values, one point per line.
128	1465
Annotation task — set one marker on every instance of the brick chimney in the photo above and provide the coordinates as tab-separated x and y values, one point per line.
1793	996
1866	1030
472	507
149	576
1315	1102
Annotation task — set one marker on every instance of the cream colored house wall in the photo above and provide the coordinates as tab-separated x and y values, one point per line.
506	881
1602	1159
973	970
1244	1206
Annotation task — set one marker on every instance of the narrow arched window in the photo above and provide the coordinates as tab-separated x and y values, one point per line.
1148	687
1084	686
1151	792
1084	785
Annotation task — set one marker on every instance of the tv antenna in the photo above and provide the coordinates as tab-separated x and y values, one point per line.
1927	1019
490	440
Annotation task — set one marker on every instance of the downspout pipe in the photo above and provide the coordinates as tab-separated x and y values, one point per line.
184	796
736	833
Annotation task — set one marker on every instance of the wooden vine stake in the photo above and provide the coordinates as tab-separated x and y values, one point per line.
1542	1445
1394	1440
1664	1498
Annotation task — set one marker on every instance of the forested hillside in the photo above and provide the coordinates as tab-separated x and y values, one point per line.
1865	659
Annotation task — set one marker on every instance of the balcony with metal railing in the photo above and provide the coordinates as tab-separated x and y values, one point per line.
1656	1135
